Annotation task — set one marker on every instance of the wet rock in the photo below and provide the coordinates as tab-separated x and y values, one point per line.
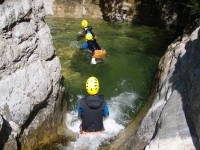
170	120
177	127
31	88
116	10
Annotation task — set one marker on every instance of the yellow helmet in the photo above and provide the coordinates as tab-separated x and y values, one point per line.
92	85
88	36
84	23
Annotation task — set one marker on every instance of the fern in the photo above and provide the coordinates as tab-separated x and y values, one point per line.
193	8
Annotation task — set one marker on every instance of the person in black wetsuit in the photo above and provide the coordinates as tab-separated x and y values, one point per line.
87	28
92	108
92	45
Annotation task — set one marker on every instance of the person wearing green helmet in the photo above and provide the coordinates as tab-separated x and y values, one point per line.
92	108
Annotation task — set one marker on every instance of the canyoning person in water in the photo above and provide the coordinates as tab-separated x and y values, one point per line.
90	43
87	28
93	48
92	108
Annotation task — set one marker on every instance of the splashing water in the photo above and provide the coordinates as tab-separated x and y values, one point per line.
113	124
133	53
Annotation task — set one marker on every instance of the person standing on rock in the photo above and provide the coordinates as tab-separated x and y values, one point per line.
92	108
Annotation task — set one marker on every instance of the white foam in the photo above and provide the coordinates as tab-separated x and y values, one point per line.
113	124
93	61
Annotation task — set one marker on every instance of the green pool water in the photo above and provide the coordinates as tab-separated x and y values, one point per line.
133	53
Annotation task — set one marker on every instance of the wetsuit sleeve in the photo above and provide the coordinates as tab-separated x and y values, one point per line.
106	111
79	111
84	46
79	108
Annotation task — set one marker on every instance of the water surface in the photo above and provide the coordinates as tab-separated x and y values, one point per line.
125	75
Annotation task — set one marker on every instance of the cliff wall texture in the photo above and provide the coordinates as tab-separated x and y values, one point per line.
171	120
31	108
31	90
162	12
115	10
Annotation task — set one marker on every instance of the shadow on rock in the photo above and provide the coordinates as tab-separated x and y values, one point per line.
186	81
5	131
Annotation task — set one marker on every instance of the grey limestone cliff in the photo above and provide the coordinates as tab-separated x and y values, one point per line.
170	120
175	112
31	90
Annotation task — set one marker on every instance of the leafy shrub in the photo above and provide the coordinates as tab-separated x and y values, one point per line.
193	8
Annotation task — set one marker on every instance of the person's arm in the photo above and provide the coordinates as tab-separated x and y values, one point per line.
106	111
79	111
84	46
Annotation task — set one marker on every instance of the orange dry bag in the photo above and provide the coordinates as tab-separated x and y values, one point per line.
99	54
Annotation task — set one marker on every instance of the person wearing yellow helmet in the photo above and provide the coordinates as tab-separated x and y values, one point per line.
87	28
89	37
84	23
92	108
90	43
93	48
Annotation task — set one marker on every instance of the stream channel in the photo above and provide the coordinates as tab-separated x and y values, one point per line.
125	75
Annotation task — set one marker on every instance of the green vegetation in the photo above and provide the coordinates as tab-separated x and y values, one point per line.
193	8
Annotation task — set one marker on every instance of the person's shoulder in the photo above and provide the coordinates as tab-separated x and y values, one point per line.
83	98
101	96
89	27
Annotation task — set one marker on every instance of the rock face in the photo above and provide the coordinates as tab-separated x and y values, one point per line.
73	9
162	12
175	112
171	121
31	108
30	78
115	10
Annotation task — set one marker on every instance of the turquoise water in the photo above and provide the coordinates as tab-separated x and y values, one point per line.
126	74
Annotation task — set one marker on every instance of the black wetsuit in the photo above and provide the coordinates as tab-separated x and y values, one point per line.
93	45
92	110
89	30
